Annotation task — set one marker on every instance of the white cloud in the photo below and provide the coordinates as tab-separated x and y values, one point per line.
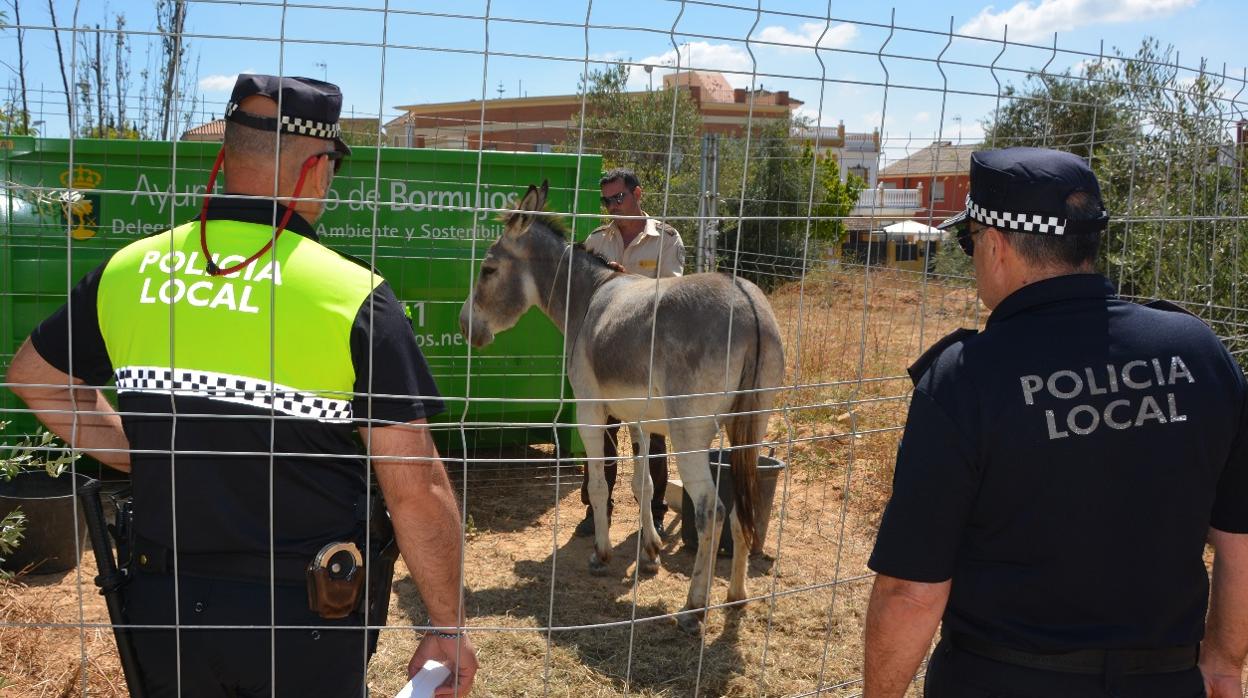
810	113
969	132
808	35
220	83
732	59
921	117
697	55
1028	21
609	56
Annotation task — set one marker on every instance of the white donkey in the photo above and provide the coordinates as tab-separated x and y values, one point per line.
717	361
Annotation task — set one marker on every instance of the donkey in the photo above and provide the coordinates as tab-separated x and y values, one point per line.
717	360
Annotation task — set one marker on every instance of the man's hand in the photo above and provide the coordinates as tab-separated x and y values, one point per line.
1221	684
427	527
1226	631
458	655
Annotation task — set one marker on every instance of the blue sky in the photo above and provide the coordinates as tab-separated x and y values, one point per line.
434	49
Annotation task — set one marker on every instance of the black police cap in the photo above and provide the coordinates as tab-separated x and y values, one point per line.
1024	190
308	107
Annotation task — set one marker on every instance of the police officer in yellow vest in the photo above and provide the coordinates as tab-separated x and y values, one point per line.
246	357
649	247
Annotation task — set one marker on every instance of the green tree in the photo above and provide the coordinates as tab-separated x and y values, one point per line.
655	133
1158	139
15	116
784	224
765	243
171	21
833	199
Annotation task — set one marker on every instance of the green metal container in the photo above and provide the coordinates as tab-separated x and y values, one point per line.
413	212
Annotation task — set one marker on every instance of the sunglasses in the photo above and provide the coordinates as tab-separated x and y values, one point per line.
966	240
334	156
613	199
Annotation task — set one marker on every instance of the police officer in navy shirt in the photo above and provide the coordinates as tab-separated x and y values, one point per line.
1061	472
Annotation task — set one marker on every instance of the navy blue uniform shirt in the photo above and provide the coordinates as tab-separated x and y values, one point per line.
1063	467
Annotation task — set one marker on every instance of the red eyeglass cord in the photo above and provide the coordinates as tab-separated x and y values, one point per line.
212	268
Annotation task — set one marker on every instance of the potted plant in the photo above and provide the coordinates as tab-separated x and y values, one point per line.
38	510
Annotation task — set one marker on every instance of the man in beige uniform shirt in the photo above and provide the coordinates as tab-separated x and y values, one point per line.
649	247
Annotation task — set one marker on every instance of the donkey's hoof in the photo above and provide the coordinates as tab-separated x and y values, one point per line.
737	598
597	566
690	623
649	566
761	561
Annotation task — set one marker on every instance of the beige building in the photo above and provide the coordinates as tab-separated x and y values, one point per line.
536	124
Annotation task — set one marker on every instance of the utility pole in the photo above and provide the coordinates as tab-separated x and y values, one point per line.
708	203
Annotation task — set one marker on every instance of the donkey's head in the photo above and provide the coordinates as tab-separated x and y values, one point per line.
506	286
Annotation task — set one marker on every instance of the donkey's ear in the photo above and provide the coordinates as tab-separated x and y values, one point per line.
541	195
533	199
518	221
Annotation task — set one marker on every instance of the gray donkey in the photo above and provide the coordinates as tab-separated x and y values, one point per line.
717	360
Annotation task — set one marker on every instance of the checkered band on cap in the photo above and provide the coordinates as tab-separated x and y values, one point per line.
225	387
298	125
1016	222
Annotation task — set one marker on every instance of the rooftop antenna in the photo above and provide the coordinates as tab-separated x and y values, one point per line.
500	89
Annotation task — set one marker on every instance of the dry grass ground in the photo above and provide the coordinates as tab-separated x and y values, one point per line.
849	338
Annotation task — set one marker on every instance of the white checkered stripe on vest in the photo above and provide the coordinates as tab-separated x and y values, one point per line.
300	126
226	387
1017	222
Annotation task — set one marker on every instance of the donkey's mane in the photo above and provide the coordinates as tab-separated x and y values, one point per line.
597	256
553	223
550	221
556	226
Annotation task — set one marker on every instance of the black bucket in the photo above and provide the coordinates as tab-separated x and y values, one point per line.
769	471
50	508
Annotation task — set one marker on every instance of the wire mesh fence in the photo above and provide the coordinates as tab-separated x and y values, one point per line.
767	135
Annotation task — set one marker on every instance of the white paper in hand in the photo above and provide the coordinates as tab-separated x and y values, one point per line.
428	678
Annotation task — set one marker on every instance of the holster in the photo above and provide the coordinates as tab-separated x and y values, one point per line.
334	595
335	578
383	551
122	530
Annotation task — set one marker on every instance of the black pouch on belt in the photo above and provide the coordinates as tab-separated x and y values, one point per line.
335	580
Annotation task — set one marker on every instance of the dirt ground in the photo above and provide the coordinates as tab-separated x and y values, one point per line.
849	337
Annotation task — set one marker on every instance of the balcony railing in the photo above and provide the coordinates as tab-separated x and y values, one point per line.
887	199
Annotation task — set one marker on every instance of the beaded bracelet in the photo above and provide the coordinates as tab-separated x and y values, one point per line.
444	635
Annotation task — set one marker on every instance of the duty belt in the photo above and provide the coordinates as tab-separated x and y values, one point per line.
153	557
1092	661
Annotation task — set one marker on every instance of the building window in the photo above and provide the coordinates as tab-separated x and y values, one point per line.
860	172
906	252
938	190
543	147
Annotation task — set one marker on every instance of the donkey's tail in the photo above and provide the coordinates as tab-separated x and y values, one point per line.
746	432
